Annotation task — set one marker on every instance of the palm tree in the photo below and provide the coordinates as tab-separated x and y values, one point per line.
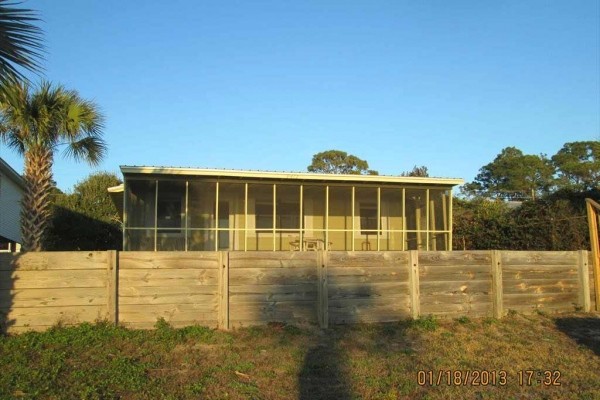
20	41
35	124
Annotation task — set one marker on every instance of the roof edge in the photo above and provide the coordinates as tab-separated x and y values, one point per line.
9	171
125	169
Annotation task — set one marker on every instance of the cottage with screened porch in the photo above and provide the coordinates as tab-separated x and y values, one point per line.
186	209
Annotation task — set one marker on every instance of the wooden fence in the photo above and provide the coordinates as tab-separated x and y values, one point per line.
227	289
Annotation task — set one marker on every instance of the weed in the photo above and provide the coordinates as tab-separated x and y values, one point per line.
463	320
428	323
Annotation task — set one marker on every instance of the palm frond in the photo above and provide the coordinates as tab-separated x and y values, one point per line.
89	149
20	41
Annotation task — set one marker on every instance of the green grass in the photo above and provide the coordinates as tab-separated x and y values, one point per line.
278	361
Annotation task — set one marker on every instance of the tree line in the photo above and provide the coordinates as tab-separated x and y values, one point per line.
529	202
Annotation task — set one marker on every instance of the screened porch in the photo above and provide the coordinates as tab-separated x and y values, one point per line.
166	213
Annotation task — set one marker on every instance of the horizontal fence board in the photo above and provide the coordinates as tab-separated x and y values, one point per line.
190	298
542	268
530	275
29	279
470	286
291	288
534	298
349	259
400	301
156	277
520	286
455	258
295	311
188	288
170	312
32	316
538	258
367	275
454	272
168	260
55	260
383	289
455	299
209	323
365	311
546	307
53	297
242	298
274	259
458	308
272	276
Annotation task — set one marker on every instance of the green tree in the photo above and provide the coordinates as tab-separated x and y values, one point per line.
339	162
513	174
417	171
578	165
36	124
20	41
86	219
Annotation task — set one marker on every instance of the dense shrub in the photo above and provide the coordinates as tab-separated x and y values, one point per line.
555	222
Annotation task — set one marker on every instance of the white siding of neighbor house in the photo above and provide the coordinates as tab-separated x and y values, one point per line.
10	208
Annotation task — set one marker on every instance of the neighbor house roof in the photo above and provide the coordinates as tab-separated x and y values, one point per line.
12	174
296	176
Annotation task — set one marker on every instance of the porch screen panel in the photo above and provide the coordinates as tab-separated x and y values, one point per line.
287	216
365	218
260	217
340	217
313	204
231	216
201	217
140	222
439	201
392	223
170	216
139	239
416	219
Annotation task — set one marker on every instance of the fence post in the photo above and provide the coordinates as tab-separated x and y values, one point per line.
112	270
223	292
323	297
415	296
584	281
497	289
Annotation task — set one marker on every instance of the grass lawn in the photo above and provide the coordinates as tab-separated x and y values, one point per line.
378	361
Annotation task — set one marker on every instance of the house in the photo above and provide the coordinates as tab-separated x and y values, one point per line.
12	187
190	209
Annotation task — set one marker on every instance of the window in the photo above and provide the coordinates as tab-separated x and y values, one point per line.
264	215
288	216
368	218
169	212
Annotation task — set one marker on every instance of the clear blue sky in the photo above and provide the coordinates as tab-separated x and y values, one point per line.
265	85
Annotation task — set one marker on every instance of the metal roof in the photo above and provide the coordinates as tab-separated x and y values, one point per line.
298	176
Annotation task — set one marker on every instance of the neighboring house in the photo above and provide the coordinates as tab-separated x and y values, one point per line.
207	209
12	187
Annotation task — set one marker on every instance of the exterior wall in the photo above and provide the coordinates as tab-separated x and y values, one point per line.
209	215
10	206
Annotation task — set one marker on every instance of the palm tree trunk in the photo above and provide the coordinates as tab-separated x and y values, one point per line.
36	207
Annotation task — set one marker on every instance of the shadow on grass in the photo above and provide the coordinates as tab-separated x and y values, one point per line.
324	372
585	331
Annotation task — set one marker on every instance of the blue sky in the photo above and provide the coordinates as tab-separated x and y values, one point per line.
265	85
